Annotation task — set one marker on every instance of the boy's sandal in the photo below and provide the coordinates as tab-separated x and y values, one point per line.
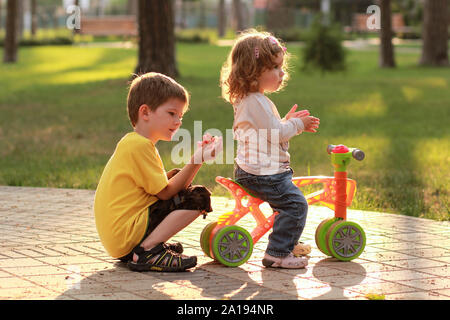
160	258
175	247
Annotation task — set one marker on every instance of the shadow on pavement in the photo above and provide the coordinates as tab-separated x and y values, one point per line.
212	280
338	284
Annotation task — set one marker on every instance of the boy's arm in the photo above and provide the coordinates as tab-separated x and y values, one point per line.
180	181
209	149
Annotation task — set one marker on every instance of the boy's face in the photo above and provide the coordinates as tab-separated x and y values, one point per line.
165	120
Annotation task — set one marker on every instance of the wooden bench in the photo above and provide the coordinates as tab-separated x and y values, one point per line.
359	23
109	26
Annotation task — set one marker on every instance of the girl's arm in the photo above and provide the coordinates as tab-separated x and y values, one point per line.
264	118
295	114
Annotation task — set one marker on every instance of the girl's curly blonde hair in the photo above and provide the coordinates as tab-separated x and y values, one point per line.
252	53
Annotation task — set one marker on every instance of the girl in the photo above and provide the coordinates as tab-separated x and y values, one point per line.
256	65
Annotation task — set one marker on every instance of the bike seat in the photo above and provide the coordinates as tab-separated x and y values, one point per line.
219	179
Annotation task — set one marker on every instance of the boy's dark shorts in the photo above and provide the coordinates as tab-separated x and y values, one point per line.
192	198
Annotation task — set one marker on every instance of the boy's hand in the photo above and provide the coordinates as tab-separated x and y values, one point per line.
207	138
293	114
208	148
311	123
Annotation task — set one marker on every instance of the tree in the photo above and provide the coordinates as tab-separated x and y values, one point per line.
11	37
386	47
238	15
156	38
34	20
435	33
221	19
280	14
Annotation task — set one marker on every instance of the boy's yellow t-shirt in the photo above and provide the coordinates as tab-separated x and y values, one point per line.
132	177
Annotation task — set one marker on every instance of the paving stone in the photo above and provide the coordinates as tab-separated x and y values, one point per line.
418	295
34	292
50	250
108	296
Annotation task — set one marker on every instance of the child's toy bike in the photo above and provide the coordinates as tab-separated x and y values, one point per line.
232	245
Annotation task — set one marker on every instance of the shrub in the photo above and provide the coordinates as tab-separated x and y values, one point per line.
27	42
290	34
323	48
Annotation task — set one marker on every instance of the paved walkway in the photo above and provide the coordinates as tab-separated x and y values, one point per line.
50	250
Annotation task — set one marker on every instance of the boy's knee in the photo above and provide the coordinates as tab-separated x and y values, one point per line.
196	198
201	197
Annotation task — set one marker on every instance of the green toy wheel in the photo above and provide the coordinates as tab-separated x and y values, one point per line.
232	246
321	232
345	240
204	238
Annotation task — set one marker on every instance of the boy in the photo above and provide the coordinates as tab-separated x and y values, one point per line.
135	201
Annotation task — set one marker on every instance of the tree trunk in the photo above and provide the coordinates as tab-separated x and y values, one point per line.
202	15
386	48
156	38
279	15
20	17
221	18
34	22
12	26
1	3
183	13
435	33
238	15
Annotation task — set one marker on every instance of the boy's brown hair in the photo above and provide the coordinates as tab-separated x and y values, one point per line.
153	89
252	53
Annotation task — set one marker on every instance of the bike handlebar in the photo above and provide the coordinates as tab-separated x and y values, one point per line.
357	154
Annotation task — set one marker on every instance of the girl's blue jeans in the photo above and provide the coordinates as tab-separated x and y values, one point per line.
284	197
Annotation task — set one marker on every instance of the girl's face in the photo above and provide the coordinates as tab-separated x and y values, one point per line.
271	78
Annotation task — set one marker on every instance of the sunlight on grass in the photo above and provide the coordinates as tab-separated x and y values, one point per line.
431	155
63	109
411	93
373	106
73	70
433	82
52	60
78	77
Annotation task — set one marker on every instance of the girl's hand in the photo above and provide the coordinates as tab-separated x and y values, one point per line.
298	114
311	123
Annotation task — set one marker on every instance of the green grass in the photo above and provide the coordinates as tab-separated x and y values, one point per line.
62	111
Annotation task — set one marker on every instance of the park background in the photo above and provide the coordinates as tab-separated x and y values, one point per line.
63	92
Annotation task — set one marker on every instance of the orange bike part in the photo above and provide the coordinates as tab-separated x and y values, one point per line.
329	194
340	210
337	194
263	223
